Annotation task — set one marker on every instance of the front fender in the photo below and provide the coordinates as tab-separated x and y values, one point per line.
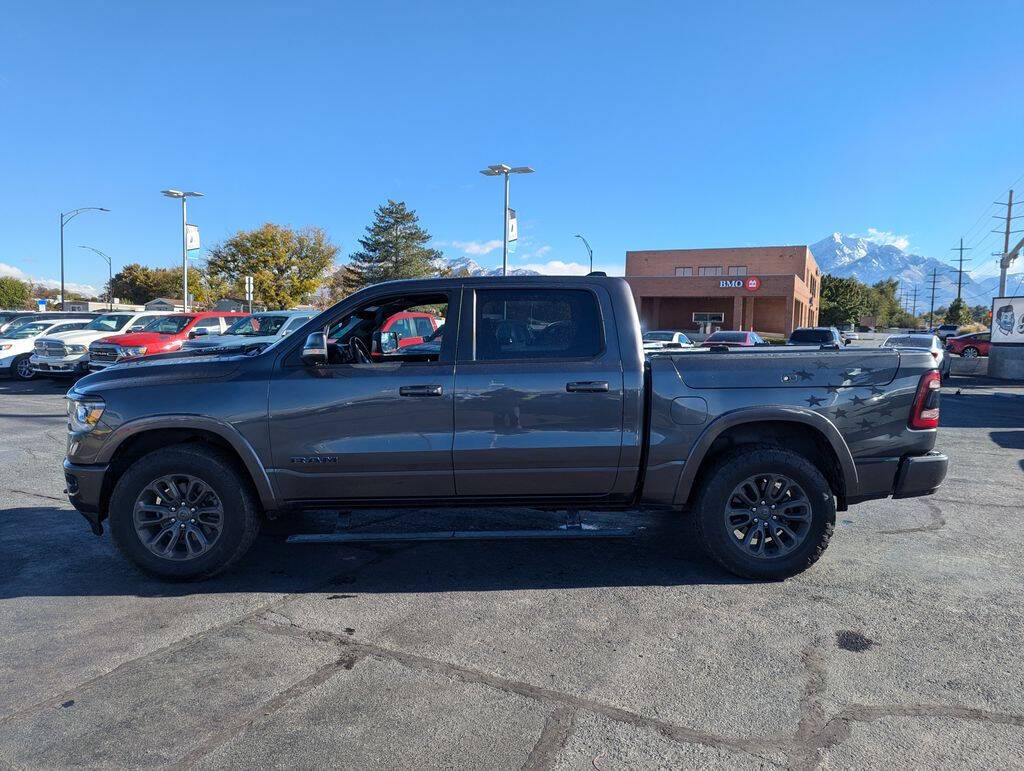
243	449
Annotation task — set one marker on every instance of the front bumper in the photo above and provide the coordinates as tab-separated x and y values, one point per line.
69	365
904	477
85	491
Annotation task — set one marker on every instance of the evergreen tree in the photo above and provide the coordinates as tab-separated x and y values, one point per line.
958	313
395	246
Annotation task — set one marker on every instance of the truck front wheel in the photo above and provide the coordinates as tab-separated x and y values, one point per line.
183	512
765	513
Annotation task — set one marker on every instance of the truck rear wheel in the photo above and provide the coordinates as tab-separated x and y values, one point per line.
183	512
765	513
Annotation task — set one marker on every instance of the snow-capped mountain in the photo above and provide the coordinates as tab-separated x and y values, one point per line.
870	262
467	266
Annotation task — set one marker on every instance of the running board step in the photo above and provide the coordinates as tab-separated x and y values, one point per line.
466	535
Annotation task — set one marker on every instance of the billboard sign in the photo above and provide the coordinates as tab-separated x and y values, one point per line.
1008	320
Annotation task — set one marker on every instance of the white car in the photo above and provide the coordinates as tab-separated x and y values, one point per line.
267	327
923	341
659	339
67	353
16	344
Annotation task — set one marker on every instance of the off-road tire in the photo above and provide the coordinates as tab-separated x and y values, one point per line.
729	471
218	470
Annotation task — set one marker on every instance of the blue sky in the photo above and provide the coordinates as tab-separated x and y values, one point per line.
650	125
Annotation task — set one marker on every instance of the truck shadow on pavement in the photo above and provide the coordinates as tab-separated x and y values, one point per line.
49	552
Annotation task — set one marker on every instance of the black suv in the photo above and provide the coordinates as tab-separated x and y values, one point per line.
816	336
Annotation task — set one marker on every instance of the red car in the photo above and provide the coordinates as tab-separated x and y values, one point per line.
163	334
413	327
734	339
970	346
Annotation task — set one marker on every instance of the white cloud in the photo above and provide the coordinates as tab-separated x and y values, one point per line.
558	268
477	248
886	237
536	254
50	283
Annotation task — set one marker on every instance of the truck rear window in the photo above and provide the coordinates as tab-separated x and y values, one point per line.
811	336
536	324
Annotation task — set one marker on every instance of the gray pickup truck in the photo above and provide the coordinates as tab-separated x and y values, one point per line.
536	393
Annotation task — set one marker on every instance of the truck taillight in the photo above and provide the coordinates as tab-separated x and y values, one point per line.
925	412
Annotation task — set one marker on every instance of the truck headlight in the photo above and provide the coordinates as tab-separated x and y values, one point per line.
76	349
5	346
132	350
83	415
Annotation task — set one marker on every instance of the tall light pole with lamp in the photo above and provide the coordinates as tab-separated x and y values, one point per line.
184	239
110	275
589	251
494	171
65	218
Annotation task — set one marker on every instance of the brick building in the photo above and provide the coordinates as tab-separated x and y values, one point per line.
764	288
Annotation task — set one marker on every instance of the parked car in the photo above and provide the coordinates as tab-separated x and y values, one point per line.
969	346
660	339
161	335
266	327
16	344
924	342
734	339
945	330
817	336
66	354
10	319
183	458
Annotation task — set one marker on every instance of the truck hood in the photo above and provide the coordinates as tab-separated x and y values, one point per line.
143	338
77	336
163	369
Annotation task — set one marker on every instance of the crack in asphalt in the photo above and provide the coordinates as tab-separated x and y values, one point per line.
556	732
37	495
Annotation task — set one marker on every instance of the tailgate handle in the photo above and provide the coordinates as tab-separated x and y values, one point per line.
587	387
420	390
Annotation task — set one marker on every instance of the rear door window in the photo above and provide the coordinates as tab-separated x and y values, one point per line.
536	324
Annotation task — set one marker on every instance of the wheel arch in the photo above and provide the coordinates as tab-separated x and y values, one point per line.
131	441
791	428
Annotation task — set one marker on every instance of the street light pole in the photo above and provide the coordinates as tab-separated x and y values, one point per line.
184	238
494	171
65	218
589	251
110	275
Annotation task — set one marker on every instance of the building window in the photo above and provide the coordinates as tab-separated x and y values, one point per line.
709	270
714	318
737	270
684	272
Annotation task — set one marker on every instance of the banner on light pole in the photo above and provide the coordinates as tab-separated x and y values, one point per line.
191	237
513	230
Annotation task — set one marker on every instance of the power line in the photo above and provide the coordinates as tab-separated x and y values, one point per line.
960	270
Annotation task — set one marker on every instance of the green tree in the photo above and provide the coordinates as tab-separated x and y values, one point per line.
395	246
134	283
14	293
958	312
286	265
843	300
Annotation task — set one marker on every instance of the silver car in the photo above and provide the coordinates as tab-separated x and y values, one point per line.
923	341
267	327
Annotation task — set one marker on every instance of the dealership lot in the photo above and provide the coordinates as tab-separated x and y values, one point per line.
903	642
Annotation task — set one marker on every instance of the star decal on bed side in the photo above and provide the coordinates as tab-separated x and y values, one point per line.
814	401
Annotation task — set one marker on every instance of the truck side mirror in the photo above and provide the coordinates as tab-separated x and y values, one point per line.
314	352
198	332
388	342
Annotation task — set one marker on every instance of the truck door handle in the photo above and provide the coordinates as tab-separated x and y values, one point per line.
587	387
420	390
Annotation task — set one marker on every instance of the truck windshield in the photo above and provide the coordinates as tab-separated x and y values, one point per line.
167	325
259	325
108	322
658	337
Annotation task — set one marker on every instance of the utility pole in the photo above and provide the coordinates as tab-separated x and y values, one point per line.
960	270
931	310
914	311
1004	258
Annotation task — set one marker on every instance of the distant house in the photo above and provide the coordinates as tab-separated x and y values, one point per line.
93	306
235	304
165	304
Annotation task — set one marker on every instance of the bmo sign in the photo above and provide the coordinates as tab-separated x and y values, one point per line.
751	283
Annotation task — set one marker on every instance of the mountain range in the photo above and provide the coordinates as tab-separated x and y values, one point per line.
467	266
851	256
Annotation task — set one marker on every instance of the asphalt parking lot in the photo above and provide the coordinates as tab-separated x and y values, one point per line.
901	647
